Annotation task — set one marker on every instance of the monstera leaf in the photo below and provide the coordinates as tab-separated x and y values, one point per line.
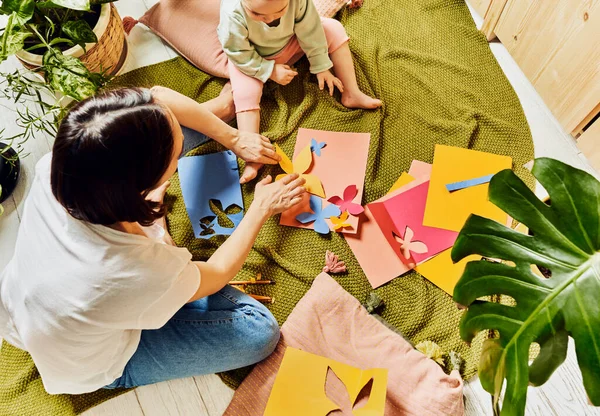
565	238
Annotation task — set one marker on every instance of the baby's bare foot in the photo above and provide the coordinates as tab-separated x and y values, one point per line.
359	100
226	96
250	172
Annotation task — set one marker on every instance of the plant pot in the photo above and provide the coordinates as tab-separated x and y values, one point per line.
9	172
108	54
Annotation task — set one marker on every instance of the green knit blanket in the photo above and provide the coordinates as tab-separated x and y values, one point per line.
439	83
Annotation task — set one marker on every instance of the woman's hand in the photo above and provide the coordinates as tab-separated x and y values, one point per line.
275	197
326	77
283	74
254	148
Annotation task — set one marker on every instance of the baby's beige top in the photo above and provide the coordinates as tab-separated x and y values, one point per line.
248	42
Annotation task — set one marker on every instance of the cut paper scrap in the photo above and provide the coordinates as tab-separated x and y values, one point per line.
457	186
406	210
345	203
318	215
440	270
300	386
450	210
340	222
316	147
378	257
343	162
211	193
301	164
407	245
333	263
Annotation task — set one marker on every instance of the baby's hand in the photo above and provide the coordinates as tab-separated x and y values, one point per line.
283	74
354	4
332	82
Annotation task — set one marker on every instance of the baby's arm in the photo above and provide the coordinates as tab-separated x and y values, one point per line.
311	36
233	35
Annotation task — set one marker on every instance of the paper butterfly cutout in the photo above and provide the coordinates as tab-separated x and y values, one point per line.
316	147
207	225
340	222
318	215
346	204
224	216
407	245
300	165
332	263
227	218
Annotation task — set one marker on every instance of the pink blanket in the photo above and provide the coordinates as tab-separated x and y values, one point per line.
328	321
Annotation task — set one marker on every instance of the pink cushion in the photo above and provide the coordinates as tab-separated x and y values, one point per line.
330	322
190	27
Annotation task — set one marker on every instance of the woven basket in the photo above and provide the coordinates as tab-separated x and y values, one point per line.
108	54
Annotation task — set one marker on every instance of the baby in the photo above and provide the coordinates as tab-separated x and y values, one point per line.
263	37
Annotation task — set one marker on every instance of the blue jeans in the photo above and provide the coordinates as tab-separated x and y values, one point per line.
192	139
221	332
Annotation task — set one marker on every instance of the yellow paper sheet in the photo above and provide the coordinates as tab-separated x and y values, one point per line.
299	388
440	270
404	179
450	210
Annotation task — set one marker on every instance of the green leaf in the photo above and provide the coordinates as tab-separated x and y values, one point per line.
13	38
73	4
68	75
23	9
566	240
56	41
80	32
553	352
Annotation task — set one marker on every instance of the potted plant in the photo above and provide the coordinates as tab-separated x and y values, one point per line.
564	239
90	30
72	61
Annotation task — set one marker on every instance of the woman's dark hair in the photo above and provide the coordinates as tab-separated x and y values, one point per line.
110	151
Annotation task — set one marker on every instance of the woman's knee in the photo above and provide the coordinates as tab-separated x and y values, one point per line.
264	334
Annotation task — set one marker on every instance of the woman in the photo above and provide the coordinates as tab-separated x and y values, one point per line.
96	292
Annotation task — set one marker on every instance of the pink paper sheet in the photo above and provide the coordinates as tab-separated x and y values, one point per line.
370	246
407	210
342	162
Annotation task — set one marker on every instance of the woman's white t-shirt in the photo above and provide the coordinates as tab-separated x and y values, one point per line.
77	295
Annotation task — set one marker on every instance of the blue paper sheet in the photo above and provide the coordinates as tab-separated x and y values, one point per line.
210	183
456	186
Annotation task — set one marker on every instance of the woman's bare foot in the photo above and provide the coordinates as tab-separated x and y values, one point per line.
359	100
226	100
250	172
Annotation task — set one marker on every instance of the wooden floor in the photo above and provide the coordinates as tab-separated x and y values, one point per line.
206	395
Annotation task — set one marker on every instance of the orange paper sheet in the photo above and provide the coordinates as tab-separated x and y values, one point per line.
450	210
343	162
299	388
